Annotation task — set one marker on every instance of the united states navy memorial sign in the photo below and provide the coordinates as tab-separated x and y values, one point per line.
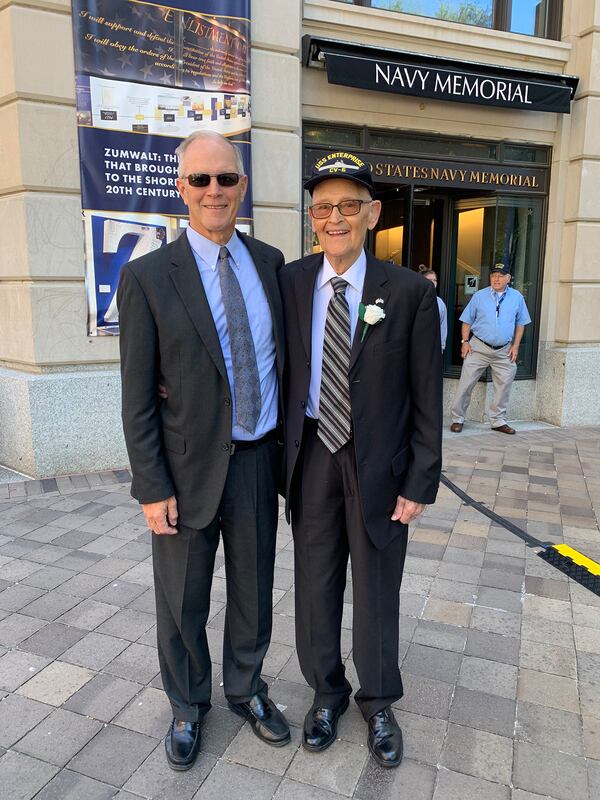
439	78
451	174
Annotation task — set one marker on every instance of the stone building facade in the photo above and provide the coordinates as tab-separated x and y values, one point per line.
59	388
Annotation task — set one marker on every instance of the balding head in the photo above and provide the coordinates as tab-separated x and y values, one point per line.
212	137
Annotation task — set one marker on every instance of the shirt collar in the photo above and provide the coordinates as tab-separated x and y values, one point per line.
208	251
499	294
354	275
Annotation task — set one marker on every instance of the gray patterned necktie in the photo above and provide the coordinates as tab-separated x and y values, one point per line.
243	356
334	400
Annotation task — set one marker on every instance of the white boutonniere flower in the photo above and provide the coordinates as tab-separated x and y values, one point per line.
370	315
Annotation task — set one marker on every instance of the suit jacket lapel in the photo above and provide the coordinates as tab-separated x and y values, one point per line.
305	284
187	280
374	288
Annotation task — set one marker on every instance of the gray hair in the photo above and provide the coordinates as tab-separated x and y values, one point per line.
209	136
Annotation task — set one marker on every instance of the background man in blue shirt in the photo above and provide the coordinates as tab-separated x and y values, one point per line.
204	313
492	328
431	275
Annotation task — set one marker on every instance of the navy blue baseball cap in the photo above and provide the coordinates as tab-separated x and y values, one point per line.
341	165
500	267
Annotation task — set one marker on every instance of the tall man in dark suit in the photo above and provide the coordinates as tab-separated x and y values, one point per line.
363	421
204	313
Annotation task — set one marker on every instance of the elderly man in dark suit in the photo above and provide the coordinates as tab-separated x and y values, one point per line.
204	313
363	421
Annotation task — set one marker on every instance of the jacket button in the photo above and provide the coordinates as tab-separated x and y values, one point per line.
225	447
227	401
297	443
308	363
302	404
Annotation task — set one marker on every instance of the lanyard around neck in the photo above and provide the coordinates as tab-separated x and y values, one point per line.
499	302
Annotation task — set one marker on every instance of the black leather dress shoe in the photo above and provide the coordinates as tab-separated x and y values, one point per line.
265	719
385	738
182	744
320	727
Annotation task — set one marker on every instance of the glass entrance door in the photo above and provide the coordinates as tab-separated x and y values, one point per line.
410	231
472	246
488	231
390	240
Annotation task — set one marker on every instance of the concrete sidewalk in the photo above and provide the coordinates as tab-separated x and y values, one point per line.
500	652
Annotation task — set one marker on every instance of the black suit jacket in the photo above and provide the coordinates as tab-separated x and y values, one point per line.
395	387
180	447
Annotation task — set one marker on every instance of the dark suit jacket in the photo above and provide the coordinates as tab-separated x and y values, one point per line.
395	387
180	447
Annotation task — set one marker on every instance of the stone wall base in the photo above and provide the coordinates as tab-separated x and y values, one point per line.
60	423
565	392
568	391
522	400
68	422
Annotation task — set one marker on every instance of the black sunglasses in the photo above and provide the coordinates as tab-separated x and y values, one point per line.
202	179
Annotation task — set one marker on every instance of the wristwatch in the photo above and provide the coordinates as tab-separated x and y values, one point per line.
464	341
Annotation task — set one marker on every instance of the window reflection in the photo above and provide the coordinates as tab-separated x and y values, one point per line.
469	12
389	233
405	143
332	135
533	155
532	17
529	16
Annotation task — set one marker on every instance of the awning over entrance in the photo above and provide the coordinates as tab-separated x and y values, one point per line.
381	70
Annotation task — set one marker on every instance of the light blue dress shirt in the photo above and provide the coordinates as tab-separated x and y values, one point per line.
443	322
206	254
323	291
494	328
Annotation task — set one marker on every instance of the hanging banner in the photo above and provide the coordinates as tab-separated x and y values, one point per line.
148	75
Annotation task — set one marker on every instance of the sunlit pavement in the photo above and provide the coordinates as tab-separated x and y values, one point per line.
500	652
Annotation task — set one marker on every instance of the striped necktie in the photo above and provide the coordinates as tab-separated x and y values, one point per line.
334	401
246	383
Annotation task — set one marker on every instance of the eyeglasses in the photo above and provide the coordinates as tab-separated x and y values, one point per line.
201	180
347	208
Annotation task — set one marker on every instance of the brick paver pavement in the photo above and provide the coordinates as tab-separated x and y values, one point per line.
500	652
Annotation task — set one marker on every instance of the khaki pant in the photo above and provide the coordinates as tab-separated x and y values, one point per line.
503	373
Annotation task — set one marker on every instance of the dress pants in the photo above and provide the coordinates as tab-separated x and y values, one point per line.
328	526
503	373
183	570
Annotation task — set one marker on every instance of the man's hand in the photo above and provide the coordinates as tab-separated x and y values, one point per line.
465	350
161	517
407	510
513	353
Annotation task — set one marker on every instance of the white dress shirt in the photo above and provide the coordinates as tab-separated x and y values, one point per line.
322	294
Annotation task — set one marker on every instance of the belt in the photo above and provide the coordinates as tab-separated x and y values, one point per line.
492	346
250	444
